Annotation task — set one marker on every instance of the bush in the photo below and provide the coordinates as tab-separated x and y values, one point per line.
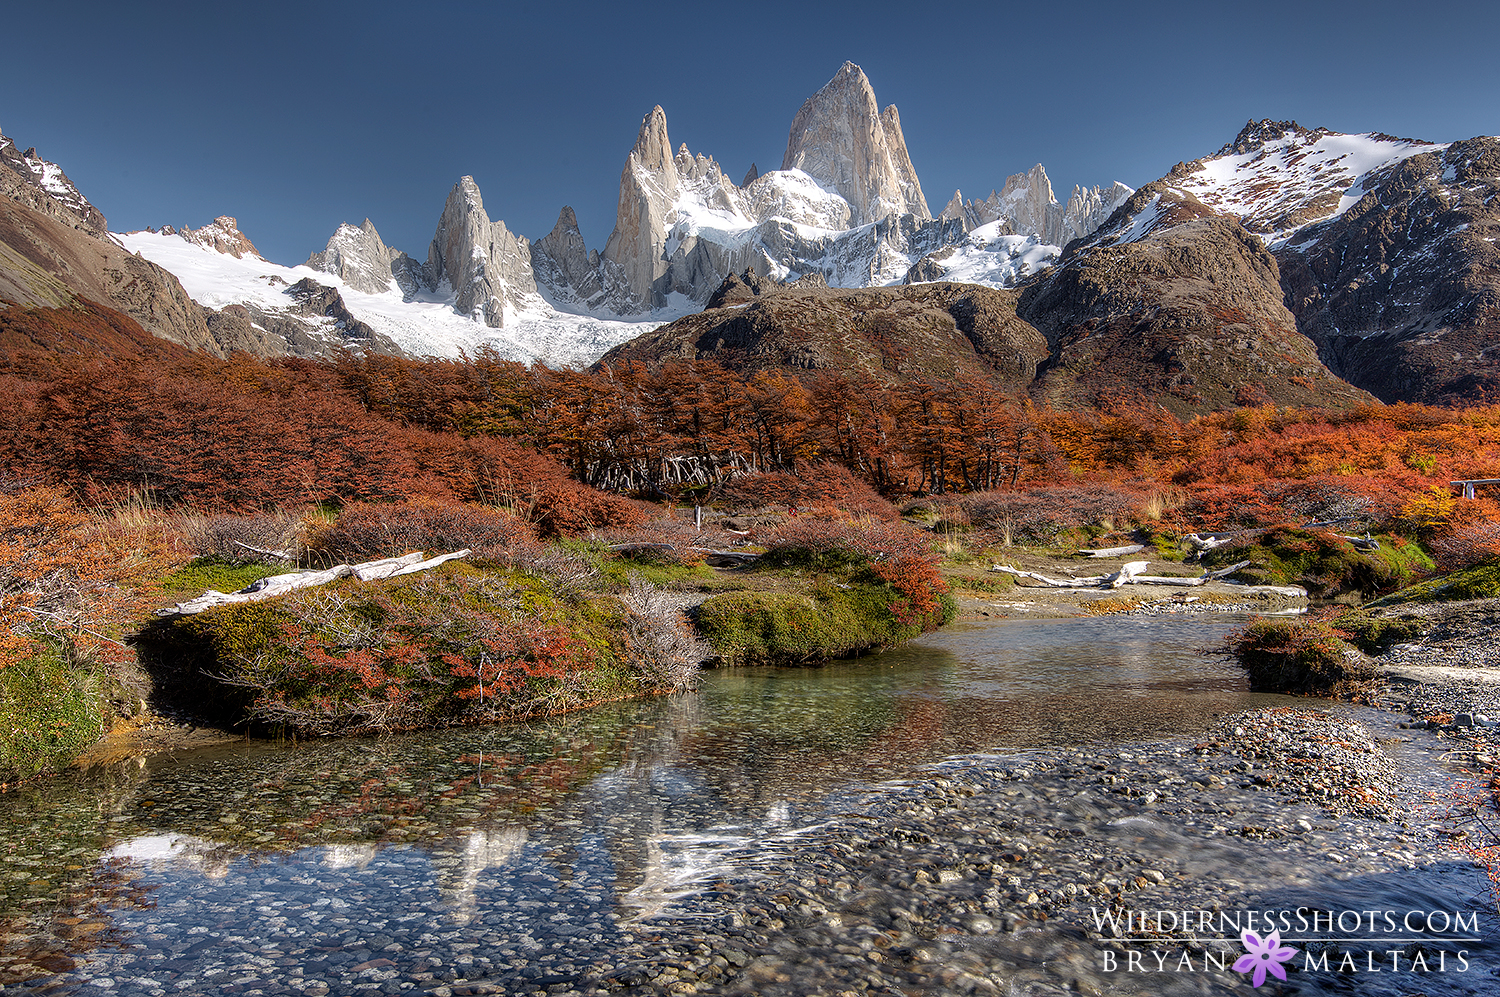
1300	656
243	539
446	647
1470	537
1039	516
567	508
368	531
879	587
50	711
824	486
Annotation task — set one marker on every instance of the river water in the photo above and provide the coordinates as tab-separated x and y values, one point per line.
397	864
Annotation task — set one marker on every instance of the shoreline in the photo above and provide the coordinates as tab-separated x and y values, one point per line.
986	874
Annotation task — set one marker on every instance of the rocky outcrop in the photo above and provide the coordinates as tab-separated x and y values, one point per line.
42	186
564	265
1402	291
841	138
1189	316
358	256
488	269
222	235
891	335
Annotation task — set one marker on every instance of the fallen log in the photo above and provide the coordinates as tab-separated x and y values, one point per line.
1127	573
725	558
1070	583
1365	542
266	588
1113	551
283	555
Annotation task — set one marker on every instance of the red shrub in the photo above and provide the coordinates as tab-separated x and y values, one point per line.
565	508
366	531
824	485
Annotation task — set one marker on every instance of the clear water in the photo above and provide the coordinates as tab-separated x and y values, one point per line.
506	846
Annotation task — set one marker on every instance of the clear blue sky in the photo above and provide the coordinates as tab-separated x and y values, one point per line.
294	117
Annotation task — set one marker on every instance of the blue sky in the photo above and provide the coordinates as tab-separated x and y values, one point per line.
294	117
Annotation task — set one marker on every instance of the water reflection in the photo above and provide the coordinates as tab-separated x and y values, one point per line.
548	834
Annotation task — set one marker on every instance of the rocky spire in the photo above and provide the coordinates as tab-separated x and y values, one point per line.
648	184
487	267
561	259
842	139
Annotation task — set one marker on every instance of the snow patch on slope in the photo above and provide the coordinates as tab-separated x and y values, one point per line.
424	324
1296	180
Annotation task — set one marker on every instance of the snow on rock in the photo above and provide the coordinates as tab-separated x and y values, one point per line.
40	184
427	323
990	256
1278	177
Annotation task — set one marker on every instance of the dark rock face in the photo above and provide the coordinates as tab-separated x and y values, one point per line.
1190	317
1402	292
891	334
314	299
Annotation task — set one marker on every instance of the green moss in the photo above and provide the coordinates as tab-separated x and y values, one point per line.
51	709
1375	634
456	645
834	619
204	573
1325	564
1482	582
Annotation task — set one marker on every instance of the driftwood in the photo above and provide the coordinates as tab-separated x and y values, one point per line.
1201	543
1128	573
1131	574
266	588
1114	551
281	554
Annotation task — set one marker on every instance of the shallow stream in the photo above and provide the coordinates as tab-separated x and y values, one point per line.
528	857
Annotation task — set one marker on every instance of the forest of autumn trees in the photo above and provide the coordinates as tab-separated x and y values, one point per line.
244	433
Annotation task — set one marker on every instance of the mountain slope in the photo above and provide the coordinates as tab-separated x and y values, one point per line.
1384	247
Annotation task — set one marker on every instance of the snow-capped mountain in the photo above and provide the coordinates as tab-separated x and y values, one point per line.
1383	252
846	206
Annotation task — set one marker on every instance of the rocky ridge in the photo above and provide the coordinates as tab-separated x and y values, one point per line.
1384	247
887	335
40	185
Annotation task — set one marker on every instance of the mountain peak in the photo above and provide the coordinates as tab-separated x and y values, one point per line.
222	235
842	139
653	149
1257	133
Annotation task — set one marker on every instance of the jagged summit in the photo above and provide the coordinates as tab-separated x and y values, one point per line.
846	209
1257	133
487	267
41	185
842	139
222	235
363	261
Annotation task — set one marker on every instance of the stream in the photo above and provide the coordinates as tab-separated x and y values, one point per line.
530	857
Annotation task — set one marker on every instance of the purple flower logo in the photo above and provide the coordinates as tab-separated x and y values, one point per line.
1262	957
